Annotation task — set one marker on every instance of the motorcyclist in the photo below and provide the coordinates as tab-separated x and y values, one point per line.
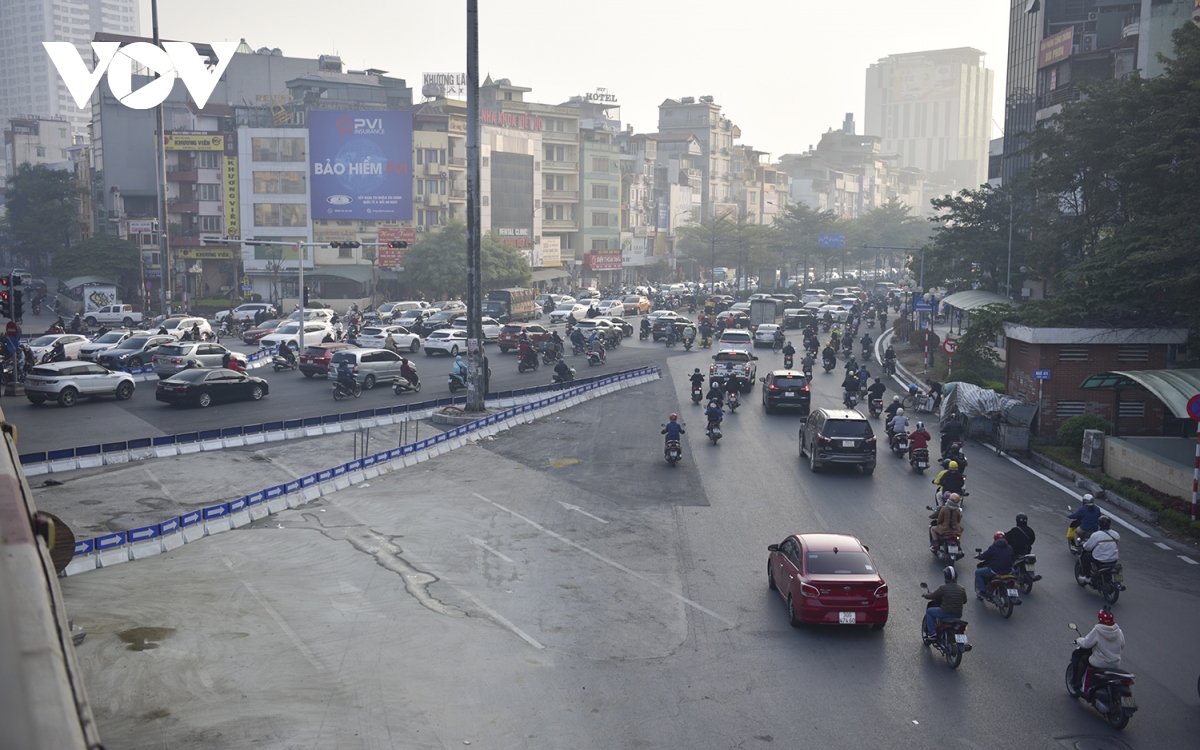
460	369
789	351
76	323
714	414
284	352
389	343
866	341
103	330
1021	536
196	335
697	379
994	561
778	341
806	364
1102	646
733	384
897	425
673	428
876	390
715	393
948	600
835	339
951	431
889	355
1100	547
525	351
577	339
892	408
706	331
563	370
670	331
851	364
947	521
557	342
919	439
235	364
828	354
864	376
646	327
409	372
345	376
689	332
1086	517
58	352
849	386
950	479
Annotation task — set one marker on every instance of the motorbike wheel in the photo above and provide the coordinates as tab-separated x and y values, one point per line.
1109	590
1078	571
951	650
521	367
1069	678
453	386
338	394
1003	603
1118	718
1025	583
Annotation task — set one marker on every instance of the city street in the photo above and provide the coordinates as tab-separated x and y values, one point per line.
563	586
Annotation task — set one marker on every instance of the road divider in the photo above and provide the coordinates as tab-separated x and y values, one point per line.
146	541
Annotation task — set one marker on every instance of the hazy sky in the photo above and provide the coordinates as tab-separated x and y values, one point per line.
784	71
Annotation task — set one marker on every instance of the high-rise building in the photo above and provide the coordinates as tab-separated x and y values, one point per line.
703	119
933	109
600	188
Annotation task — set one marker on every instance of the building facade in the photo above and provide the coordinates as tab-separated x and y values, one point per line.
715	133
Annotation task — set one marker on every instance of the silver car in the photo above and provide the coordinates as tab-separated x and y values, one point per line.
67	382
370	366
172	358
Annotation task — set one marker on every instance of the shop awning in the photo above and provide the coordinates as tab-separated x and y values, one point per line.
974	299
1173	387
549	274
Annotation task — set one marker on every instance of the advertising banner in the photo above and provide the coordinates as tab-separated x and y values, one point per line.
361	164
1056	48
602	262
551	252
233	205
663	215
204	253
393	257
194	142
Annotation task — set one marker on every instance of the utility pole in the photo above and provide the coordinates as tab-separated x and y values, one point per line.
160	154
476	373
1008	276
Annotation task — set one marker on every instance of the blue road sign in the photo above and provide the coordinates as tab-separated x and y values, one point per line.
831	239
922	307
1041	374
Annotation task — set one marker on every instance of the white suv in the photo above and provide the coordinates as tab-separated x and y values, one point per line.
67	382
177	326
736	339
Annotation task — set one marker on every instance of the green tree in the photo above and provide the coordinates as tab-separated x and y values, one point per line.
437	265
798	230
103	255
889	225
708	242
970	240
40	211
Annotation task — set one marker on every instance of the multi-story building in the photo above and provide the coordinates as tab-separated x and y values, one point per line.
600	188
933	109
715	133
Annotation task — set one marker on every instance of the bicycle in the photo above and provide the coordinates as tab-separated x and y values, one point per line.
777	347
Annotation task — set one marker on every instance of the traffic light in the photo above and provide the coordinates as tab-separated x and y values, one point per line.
18	305
306	291
348	245
398	244
5	304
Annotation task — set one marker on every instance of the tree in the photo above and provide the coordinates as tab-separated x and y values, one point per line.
799	229
40	211
889	225
437	265
103	255
970	240
707	242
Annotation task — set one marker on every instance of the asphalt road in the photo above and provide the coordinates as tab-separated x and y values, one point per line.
563	586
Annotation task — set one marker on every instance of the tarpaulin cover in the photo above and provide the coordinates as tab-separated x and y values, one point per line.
971	401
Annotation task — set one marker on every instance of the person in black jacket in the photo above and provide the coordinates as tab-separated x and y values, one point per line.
946	601
994	561
1021	537
951	432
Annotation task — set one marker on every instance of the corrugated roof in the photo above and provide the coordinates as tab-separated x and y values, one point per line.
1173	387
81	280
975	299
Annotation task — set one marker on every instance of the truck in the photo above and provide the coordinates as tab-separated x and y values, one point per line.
113	315
762	311
512	305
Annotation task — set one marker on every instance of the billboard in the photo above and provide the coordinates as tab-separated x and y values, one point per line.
233	200
393	257
1056	48
194	142
361	164
924	83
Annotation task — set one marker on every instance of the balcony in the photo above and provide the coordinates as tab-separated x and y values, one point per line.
434	170
563	196
559	224
182	206
179	174
561	166
432	200
458	194
1068	93
557	135
459	162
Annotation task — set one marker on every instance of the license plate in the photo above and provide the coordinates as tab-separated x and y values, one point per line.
847	443
960	637
846	618
1127	701
1029	569
922	465
953	549
788	394
1118	578
1014	593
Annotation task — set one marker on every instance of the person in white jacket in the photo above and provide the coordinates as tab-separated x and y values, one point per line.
1102	646
1100	547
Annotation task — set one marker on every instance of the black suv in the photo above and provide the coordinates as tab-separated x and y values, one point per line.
786	388
838	436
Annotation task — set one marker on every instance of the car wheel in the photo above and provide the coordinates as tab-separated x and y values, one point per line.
204	400
127	322
256	393
124	391
36	398
812	461
89	321
68	396
368	382
454	351
415	346
793	620
308	374
770	578
135	362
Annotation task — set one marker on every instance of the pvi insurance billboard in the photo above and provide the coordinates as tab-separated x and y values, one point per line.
361	164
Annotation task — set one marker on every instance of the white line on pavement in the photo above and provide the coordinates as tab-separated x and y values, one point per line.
483	544
605	560
498	617
278	618
1160	545
577	509
1188	560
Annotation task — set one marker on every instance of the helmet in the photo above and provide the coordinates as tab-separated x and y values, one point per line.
997	536
1089	500
952	465
674	417
876	380
1105	617
900	412
1105	523
920	425
954	497
851	357
789	342
697	369
1022	519
950	573
895	399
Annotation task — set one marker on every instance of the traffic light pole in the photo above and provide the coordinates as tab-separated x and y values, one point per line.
476	372
300	253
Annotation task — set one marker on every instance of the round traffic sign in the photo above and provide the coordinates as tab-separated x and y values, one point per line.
1193	407
949	345
11	329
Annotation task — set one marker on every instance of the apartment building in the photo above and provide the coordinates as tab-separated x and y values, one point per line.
715	133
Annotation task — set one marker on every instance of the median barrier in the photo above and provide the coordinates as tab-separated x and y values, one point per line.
124	546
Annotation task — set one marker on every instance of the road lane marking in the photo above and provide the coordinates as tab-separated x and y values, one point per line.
577	509
1160	545
611	563
1188	560
484	545
278	618
497	617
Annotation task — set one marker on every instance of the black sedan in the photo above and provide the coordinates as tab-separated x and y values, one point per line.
201	387
786	388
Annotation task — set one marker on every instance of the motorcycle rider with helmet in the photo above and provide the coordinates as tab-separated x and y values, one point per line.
919	438
947	600
673	429
345	376
697	379
1086	518
408	372
892	408
1101	646
1021	536
849	386
950	479
284	352
828	354
951	432
460	369
996	560
715	393
1100	547
896	425
789	351
876	390
851	365
947	520
714	414
563	370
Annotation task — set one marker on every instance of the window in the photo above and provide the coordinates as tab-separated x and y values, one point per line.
280	214
600	192
599	244
1133	409
1072	353
211	224
277	149
1023	347
209	192
1064	409
41	151
599	219
208	160
420	156
840	563
599	164
1133	353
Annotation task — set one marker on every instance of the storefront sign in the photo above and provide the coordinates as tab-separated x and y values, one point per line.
204	253
233	206
513	120
393	257
601	96
194	142
602	262
451	85
1057	48
141	227
334	234
551	252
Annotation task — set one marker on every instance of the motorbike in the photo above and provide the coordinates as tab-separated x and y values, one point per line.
1002	591
850	399
847	347
527	362
826	325
456	382
954	453
687	344
808	372
889	365
875	407
1109	691
595	356
787	361
402	385
732	401
706	342
643	334
948	548
899	443
570	377
918	459
549	356
671	339
950	637
673	452
866	354
828	363
279	364
1023	571
714	432
697	394
1106	577
36	306
341	391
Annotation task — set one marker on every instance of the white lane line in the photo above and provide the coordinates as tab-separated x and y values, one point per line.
1160	545
612	563
278	618
499	618
484	545
1070	492
577	509
1188	560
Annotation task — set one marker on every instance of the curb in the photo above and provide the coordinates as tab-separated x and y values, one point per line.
148	541
1100	492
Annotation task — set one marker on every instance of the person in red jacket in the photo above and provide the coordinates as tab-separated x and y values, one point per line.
919	438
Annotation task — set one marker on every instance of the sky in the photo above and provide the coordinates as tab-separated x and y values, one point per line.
784	71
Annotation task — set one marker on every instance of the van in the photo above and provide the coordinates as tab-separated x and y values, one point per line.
512	305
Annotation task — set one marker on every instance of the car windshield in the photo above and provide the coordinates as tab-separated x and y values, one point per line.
111	337
441	317
846	563
290	328
789	381
171	325
174	351
44	341
137	342
510	329
372	331
440	335
732	357
847	428
735	337
633	300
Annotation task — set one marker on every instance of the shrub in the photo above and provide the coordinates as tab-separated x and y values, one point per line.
1071	431
965	376
995	385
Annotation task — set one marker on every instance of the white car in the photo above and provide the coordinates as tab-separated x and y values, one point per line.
736	339
452	341
373	337
322	314
314	333
764	335
247	311
838	312
814	295
71	342
612	307
561	313
67	382
491	327
178	326
88	351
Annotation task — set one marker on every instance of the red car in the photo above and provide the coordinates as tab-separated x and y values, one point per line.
510	335
827	579
266	328
314	360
